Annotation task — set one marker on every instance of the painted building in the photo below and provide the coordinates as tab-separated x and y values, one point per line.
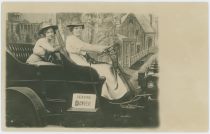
20	30
137	36
23	27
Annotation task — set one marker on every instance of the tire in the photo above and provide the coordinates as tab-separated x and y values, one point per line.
20	109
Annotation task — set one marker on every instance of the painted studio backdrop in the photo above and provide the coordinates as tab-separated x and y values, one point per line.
135	34
135	40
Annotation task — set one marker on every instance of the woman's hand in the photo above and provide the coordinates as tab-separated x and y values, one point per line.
57	48
108	49
105	49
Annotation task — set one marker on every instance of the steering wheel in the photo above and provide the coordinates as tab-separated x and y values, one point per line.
112	53
53	57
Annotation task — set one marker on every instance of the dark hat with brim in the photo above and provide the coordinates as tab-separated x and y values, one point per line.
75	23
45	26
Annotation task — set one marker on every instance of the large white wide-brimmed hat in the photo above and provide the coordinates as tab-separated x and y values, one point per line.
46	25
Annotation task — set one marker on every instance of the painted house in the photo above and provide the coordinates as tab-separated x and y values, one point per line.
21	30
137	36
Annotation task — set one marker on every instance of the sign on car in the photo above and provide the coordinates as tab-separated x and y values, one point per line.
86	101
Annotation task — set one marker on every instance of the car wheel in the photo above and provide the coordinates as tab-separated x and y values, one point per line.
20	111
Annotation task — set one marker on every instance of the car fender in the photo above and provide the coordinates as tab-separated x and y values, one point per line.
34	99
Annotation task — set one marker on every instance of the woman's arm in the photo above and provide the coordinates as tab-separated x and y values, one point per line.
75	45
90	47
44	44
47	47
93	48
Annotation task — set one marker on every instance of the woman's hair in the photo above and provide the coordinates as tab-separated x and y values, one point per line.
45	30
71	28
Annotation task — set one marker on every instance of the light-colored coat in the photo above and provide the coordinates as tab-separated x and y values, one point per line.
41	47
113	88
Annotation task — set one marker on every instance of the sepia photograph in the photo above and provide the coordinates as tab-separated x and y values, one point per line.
104	67
82	70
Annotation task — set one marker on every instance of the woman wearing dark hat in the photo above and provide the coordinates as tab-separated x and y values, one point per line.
114	88
44	45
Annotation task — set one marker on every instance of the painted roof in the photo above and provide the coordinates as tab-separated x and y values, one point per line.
124	18
143	21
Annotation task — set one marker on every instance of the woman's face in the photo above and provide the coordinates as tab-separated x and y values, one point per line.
50	34
77	31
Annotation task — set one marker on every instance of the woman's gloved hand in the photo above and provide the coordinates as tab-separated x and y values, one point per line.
107	49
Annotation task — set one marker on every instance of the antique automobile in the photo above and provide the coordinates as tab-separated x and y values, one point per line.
64	94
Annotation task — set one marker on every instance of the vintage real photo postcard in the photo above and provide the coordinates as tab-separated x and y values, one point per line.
105	65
